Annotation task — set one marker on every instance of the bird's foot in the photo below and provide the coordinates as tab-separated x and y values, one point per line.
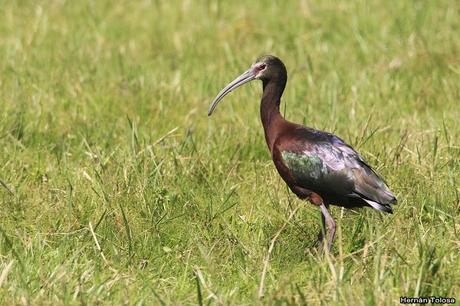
319	244
320	238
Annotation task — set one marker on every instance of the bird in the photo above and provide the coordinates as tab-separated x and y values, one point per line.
317	166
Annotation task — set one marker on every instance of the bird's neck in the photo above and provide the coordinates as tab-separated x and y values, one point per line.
272	120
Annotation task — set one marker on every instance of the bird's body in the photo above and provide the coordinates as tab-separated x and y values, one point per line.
317	166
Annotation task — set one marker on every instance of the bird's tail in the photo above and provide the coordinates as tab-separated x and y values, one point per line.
382	207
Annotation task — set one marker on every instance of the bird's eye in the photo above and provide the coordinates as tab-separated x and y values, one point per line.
262	67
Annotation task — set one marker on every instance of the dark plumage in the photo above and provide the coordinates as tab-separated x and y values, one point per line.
323	163
316	165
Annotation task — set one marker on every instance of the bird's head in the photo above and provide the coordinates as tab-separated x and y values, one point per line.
265	68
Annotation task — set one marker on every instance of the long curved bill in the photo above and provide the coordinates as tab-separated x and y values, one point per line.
247	76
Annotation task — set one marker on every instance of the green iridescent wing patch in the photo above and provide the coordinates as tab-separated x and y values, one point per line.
305	167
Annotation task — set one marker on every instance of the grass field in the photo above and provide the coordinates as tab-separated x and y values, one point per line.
115	186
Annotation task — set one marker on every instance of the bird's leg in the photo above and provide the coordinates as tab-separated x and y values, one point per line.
326	219
330	225
300	192
322	231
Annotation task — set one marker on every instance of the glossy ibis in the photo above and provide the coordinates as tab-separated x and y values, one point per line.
317	166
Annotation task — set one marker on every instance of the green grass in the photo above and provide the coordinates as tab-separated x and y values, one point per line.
103	126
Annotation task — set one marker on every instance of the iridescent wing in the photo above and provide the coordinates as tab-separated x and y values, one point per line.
330	165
